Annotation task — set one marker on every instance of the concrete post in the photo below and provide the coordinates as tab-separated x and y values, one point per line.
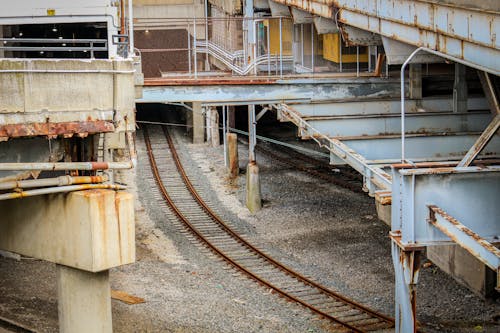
232	153
214	127
84	301
208	128
198	135
254	197
416	82
231	116
253	200
460	94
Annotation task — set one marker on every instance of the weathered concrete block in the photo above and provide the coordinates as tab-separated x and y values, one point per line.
464	268
254	197
84	301
232	153
89	230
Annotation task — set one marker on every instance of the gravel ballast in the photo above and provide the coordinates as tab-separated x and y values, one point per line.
324	231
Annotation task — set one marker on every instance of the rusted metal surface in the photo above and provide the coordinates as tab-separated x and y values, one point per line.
207	81
462	32
465	237
59	189
58	181
92	166
375	321
481	142
67	129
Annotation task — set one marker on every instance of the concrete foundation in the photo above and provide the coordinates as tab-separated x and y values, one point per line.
198	128
253	200
232	154
84	301
464	268
455	261
89	230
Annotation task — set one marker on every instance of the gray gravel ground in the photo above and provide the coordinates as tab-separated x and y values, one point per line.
326	232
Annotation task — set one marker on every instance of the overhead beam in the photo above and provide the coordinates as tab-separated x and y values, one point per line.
390	124
465	237
300	90
384	150
460	32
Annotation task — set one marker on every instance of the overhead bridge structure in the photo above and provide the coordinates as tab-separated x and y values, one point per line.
405	92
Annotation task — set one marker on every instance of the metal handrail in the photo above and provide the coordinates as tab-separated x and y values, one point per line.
62	48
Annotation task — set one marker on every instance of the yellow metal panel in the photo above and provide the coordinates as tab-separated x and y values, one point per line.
286	36
331	47
331	50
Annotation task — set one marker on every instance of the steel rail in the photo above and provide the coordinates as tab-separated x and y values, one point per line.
290	273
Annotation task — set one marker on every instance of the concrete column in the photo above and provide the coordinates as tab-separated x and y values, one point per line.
189	123
232	153
254	197
253	200
84	301
198	135
460	95
416	82
214	127
231	116
208	127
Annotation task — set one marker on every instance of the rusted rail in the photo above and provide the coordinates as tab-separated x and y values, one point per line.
188	206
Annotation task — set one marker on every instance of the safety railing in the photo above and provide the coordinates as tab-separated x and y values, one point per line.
268	46
42	45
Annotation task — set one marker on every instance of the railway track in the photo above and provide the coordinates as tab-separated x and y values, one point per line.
190	209
344	177
11	326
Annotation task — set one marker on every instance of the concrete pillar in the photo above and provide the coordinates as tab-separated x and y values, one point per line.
189	123
416	82
84	301
460	94
214	127
198	135
231	116
208	127
232	153
254	197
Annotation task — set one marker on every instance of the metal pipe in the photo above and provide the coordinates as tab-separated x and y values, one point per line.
122	17
357	60
252	140
57	181
312	47
60	189
63	166
268	51
224	133
206	31
131	27
302	43
195	52
340	51
189	49
281	51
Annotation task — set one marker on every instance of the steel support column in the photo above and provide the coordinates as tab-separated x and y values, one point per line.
406	269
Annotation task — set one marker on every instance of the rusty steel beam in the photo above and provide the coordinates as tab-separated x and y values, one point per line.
465	237
81	128
469	34
481	142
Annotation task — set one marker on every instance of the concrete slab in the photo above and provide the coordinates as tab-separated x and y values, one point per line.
88	230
